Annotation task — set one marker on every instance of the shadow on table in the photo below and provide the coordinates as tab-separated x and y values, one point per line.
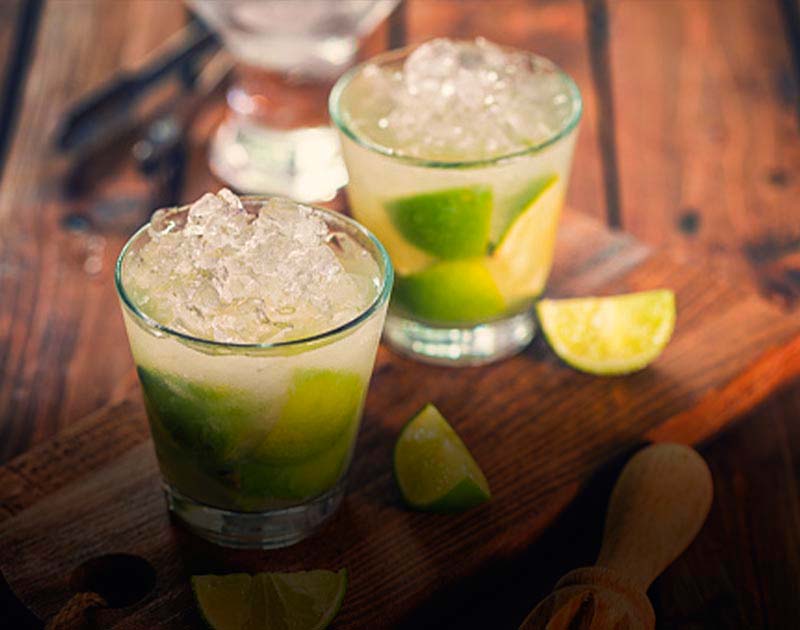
507	590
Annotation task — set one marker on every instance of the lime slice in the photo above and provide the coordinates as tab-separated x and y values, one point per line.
611	335
522	259
322	404
215	422
307	600
433	468
449	224
451	291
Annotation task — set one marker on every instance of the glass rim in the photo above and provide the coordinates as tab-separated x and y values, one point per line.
334	110
380	299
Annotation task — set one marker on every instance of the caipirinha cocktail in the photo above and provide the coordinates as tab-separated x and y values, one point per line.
254	327
458	154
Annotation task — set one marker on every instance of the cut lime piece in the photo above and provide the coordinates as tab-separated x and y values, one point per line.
192	476
449	224
517	204
216	423
308	600
609	335
521	262
371	211
451	292
224	600
433	468
296	480
321	406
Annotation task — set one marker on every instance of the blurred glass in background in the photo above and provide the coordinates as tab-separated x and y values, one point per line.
276	137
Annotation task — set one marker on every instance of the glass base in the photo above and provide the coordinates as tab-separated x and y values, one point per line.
255	530
473	345
304	164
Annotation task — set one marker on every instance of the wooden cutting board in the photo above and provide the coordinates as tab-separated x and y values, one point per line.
537	428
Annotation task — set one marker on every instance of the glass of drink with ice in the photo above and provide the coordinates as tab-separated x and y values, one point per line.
253	324
458	154
277	137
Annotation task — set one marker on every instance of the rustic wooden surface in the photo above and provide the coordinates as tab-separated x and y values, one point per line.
690	138
538	429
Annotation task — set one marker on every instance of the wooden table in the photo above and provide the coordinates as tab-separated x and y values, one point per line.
690	139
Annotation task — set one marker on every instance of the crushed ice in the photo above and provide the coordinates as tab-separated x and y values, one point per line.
463	100
223	272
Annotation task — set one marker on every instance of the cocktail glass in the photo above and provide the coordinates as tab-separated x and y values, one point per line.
471	240
276	137
254	440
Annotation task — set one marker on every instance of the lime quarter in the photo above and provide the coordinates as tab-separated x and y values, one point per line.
434	469
448	224
451	291
522	259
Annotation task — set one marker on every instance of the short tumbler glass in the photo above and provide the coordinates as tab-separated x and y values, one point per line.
254	440
475	308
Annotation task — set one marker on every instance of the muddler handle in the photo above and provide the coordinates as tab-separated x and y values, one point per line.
657	507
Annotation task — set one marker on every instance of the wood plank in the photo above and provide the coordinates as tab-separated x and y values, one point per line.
598	34
706	116
60	355
9	15
18	25
744	567
538	429
71	455
707	132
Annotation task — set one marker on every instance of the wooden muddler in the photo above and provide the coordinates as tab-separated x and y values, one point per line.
658	505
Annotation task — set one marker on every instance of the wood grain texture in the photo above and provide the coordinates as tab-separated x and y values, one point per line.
707	130
707	122
9	16
60	351
744	568
538	429
18	22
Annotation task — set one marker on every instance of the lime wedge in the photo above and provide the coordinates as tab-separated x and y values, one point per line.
433	468
308	600
322	404
451	291
371	211
509	210
522	259
303	601
216	423
449	224
259	478
610	335
224	600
